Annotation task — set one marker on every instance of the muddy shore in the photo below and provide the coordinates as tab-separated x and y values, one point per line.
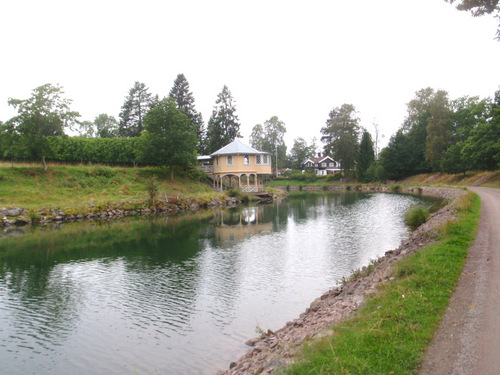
276	350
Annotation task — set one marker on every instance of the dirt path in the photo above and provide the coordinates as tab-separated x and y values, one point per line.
468	340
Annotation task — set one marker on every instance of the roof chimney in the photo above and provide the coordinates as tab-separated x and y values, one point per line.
319	154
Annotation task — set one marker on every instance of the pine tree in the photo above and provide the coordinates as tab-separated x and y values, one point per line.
366	155
223	126
135	107
185	101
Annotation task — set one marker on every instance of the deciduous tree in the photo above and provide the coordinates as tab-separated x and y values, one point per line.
479	8
439	128
274	142
341	136
301	151
46	113
170	137
257	137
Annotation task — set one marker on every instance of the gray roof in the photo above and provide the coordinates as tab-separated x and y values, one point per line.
237	147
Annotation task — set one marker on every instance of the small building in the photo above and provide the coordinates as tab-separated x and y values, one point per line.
322	165
243	163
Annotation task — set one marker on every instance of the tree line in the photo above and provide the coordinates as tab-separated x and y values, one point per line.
150	130
438	134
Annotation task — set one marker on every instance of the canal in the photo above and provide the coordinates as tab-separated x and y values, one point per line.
180	295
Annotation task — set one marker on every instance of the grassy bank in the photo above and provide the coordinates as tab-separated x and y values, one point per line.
71	186
390	334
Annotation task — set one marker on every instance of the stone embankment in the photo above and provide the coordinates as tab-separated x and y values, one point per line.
276	350
18	217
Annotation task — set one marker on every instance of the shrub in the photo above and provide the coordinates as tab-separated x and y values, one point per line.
103	172
334	177
416	216
395	188
152	189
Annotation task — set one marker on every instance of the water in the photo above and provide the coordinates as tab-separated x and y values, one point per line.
180	295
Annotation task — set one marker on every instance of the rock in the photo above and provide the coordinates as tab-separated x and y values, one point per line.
13	211
252	341
22	220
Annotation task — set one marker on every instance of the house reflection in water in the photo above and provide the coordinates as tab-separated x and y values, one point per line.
238	226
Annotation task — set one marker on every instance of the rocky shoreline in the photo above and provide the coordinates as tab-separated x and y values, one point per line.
273	351
13	218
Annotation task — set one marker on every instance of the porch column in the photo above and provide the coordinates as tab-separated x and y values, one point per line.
239	181
256	182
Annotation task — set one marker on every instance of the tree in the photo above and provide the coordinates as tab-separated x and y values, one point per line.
439	128
468	112
138	102
453	160
480	8
366	156
396	157
106	126
170	137
257	137
341	136
46	113
274	142
184	100
301	151
223	126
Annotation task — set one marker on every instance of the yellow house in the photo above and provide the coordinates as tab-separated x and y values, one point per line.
243	162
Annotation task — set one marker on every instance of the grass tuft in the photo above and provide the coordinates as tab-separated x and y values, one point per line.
416	216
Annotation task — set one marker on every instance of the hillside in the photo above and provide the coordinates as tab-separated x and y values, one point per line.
72	186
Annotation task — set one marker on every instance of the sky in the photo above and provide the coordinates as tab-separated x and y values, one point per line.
293	59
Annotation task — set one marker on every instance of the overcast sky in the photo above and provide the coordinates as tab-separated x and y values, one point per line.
292	59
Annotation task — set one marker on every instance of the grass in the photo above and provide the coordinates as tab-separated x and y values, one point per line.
72	186
390	334
416	216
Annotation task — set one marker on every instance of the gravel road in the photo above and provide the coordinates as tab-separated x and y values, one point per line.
468	339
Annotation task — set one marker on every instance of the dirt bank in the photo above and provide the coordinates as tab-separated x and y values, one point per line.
275	350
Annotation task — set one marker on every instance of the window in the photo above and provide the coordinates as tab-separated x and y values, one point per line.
230	160
257	159
266	159
323	165
217	160
330	165
246	160
316	164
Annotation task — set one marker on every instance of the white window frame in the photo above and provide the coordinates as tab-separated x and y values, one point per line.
246	160
258	160
217	161
265	159
229	160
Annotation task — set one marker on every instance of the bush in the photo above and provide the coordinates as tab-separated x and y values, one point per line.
334	177
416	216
395	188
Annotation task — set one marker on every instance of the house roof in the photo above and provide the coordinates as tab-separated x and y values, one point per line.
318	159
237	147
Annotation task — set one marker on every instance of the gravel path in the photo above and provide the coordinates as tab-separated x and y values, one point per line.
468	339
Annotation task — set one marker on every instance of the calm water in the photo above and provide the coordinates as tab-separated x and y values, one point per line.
180	295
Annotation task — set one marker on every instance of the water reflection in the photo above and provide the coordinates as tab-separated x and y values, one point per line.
179	294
